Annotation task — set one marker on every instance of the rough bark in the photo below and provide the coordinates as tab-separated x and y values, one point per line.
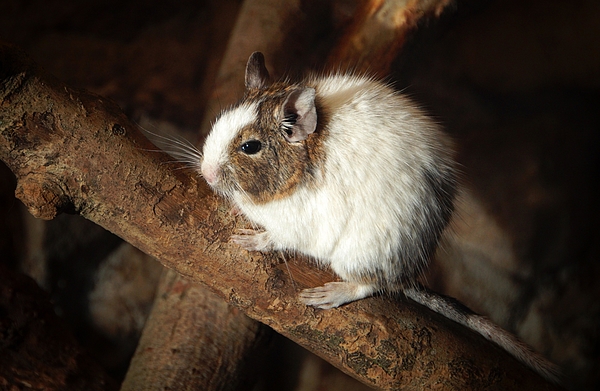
76	152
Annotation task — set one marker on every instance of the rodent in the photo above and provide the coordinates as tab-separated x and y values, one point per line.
344	169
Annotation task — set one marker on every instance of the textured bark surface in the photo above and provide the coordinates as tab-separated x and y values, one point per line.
193	340
378	31
36	349
75	152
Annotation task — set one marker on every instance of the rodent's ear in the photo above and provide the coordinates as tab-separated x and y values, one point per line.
300	110
257	76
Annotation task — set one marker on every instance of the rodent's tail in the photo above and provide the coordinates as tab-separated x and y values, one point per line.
454	310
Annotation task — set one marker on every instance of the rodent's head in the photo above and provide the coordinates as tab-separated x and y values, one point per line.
260	147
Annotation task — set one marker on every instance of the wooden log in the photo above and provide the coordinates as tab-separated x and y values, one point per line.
325	36
76	152
193	340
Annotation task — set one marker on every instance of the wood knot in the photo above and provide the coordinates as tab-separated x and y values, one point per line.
118	130
43	199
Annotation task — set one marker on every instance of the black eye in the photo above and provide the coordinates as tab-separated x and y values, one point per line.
251	147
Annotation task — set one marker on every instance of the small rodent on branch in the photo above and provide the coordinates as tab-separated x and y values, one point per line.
344	169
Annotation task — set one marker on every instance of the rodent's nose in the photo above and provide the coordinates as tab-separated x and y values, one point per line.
210	173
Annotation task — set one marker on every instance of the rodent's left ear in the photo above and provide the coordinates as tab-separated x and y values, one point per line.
301	105
257	75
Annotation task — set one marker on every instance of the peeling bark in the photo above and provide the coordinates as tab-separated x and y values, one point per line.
76	152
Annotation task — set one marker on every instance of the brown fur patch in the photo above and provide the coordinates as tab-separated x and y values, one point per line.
280	167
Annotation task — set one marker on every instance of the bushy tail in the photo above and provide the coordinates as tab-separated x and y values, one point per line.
453	310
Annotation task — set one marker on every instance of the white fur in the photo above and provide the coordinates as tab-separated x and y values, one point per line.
224	130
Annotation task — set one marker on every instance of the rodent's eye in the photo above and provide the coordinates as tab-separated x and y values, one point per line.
251	147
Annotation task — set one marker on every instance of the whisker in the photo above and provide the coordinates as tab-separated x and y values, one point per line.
282	256
178	147
185	157
186	151
181	144
150	149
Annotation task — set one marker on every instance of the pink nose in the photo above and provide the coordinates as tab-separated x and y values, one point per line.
210	173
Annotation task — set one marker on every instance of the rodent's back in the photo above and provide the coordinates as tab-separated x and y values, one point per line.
392	169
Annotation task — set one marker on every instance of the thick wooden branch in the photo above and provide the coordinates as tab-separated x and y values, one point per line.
75	152
378	31
194	340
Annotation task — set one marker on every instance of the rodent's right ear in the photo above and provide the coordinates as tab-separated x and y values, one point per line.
300	114
257	76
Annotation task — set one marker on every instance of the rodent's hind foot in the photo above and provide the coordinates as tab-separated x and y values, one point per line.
334	294
253	240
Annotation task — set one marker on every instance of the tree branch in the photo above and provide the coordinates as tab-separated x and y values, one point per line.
194	340
72	151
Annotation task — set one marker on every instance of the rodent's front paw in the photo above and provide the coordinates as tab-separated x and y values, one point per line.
253	240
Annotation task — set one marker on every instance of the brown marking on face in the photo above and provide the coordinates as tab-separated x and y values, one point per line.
280	166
